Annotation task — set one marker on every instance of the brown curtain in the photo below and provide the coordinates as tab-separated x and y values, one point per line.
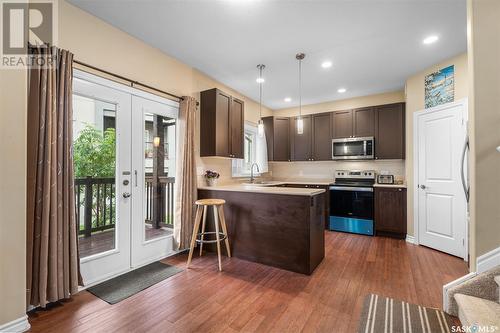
53	266
185	178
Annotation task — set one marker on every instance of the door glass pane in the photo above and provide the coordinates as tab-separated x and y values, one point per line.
159	173
94	151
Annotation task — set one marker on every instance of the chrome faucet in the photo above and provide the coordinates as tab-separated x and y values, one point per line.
252	178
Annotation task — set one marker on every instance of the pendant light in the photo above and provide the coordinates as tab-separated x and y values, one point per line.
300	121
260	126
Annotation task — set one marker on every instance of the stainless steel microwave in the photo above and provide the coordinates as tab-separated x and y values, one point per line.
361	148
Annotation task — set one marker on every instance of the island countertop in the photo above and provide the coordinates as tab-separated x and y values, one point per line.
277	226
264	189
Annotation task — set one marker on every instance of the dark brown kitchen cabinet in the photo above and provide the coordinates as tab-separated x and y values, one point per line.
353	123
390	131
390	211
301	144
319	186
341	124
277	131
236	128
363	120
322	137
221	124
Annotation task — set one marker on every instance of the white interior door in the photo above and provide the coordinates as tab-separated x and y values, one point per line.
154	139
101	149
441	205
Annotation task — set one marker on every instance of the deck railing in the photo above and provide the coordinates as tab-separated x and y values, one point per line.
159	206
96	203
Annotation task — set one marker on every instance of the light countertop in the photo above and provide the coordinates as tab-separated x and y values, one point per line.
265	189
390	185
323	182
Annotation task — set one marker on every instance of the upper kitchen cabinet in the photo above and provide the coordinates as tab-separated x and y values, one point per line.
237	128
301	144
322	137
341	123
390	131
363	122
221	124
353	123
277	131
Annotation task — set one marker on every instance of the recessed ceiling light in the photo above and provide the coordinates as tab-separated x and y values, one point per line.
342	90
430	39
287	99
260	80
326	64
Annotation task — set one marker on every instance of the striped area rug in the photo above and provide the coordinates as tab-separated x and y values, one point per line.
386	315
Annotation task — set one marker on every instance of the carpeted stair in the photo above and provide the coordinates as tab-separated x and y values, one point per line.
477	301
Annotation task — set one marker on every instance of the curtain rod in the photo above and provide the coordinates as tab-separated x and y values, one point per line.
132	82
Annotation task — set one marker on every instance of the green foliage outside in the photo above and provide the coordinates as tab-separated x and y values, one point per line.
94	155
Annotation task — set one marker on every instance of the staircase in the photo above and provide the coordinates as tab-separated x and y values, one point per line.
477	300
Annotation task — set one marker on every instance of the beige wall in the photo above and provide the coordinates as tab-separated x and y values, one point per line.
12	194
415	102
484	53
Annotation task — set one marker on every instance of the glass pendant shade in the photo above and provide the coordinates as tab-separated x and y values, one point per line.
260	128
300	125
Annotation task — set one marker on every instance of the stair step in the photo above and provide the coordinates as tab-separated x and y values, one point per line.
473	310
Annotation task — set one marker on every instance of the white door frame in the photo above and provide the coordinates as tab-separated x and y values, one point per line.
108	83
461	102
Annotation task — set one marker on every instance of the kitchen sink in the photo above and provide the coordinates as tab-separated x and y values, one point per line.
262	183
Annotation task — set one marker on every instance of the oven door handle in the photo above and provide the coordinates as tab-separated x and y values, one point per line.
351	189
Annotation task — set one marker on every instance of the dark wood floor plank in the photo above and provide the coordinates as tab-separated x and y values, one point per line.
249	297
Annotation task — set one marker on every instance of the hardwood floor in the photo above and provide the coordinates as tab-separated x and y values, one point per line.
249	297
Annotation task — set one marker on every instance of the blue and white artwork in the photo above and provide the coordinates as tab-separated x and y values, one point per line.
440	87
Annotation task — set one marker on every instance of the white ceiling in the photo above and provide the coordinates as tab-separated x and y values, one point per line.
374	44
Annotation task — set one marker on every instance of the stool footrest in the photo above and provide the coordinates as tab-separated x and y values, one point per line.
222	236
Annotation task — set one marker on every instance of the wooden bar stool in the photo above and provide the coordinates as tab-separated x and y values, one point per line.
201	213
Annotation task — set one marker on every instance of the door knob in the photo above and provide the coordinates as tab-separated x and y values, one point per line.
126	195
423	187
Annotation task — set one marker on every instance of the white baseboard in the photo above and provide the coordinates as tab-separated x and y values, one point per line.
15	326
454	283
410	239
488	260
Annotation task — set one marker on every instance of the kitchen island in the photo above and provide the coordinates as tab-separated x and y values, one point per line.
277	226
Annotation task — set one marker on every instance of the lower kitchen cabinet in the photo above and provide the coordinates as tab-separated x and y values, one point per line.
390	212
327	196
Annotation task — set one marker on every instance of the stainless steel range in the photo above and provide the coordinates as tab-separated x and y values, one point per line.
351	201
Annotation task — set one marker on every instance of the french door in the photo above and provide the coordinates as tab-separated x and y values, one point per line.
124	143
153	168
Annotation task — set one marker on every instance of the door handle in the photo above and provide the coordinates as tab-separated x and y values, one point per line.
462	176
126	195
423	187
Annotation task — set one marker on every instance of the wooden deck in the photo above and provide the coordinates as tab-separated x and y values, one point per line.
250	297
104	241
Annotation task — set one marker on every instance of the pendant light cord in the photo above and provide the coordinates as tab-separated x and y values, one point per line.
260	92
300	88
